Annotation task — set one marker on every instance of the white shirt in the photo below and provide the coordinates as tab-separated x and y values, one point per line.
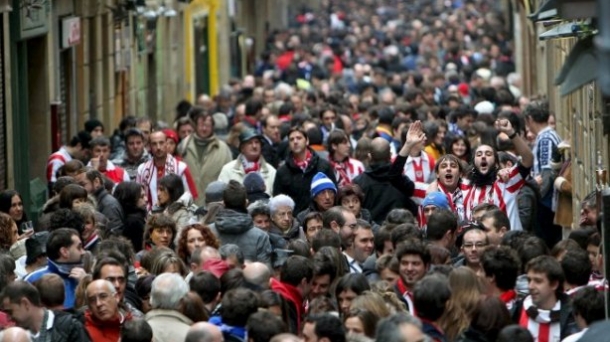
575	337
354	266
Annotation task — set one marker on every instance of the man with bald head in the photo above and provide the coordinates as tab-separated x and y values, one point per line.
15	334
160	165
258	274
204	332
103	320
384	185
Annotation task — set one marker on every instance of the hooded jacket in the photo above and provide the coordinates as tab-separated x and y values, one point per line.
386	188
237	228
290	180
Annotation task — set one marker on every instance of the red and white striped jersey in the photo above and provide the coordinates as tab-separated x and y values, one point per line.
115	173
420	169
149	175
456	200
55	161
501	193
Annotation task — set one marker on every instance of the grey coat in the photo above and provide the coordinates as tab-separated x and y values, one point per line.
237	228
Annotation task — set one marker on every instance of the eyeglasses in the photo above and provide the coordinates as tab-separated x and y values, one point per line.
478	245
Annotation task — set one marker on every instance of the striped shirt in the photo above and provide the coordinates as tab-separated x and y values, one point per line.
55	161
420	169
502	194
546	142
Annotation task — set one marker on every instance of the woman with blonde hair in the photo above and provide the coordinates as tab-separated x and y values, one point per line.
466	292
386	291
373	302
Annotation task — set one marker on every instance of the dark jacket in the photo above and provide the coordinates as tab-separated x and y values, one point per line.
237	228
369	269
270	153
67	328
290	180
433	332
566	318
111	208
473	335
386	188
527	202
293	233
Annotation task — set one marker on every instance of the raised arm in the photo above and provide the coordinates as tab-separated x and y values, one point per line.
527	158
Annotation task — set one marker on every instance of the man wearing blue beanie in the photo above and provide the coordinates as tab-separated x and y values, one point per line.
434	201
323	192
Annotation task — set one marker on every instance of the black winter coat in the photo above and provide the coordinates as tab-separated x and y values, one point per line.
386	188
290	180
68	328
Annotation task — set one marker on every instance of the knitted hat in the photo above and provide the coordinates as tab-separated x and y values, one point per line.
320	183
254	182
437	199
213	192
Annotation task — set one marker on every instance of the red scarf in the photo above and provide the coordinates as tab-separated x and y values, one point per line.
341	169
249	166
508	296
405	292
291	294
302	164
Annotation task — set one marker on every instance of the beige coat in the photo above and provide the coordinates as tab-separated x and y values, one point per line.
168	325
563	186
205	165
234	170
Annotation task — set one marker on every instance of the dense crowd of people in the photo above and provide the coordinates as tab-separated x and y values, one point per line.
380	176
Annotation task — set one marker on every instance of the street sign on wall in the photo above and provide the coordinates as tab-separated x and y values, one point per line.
70	32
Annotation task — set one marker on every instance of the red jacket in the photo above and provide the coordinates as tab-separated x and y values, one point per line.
107	331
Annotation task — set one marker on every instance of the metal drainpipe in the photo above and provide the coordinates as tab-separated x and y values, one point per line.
602	42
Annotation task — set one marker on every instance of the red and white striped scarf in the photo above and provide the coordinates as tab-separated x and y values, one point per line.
544	327
342	172
302	164
249	166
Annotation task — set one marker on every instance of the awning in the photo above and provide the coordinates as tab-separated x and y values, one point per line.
579	68
546	11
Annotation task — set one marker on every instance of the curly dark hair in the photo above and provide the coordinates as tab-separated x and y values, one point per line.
159	221
6	231
209	238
